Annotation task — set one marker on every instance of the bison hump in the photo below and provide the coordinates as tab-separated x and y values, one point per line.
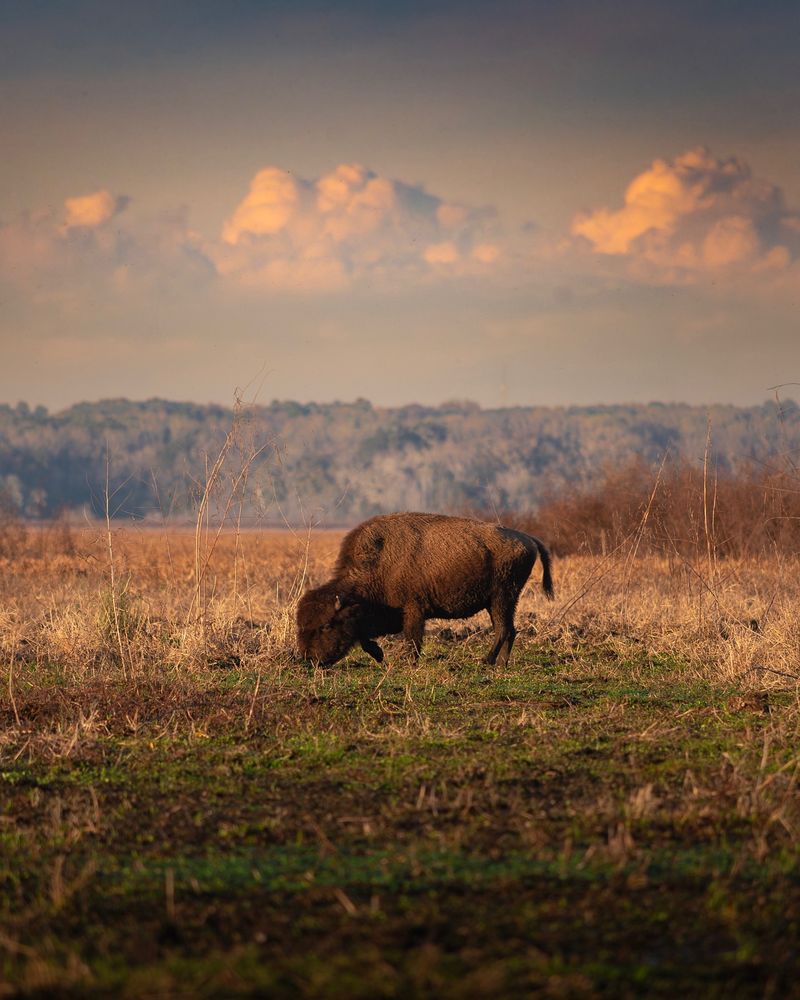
362	548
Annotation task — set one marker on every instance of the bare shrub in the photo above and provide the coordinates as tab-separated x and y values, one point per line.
691	511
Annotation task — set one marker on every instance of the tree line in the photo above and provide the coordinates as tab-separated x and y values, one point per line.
336	463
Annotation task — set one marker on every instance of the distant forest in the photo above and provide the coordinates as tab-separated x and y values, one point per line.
336	463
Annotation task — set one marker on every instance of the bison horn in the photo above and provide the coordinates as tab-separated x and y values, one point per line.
337	604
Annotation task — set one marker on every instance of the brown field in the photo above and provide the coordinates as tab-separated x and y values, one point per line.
184	600
187	810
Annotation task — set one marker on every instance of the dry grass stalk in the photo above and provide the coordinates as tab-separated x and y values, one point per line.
233	491
112	567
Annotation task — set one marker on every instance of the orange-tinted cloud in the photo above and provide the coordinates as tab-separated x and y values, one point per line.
91	210
294	234
266	209
486	253
287	234
441	253
696	214
681	219
75	255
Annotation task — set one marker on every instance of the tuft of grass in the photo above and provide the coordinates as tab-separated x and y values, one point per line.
118	615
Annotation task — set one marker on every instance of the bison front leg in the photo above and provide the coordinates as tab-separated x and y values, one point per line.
413	629
371	647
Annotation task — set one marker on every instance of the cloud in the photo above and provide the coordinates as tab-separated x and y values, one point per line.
92	210
684	220
486	253
696	215
730	240
350	225
74	255
441	253
288	234
27	246
267	209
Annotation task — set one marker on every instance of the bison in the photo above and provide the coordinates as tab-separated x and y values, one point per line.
395	571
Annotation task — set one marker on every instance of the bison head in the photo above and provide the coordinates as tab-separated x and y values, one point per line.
327	625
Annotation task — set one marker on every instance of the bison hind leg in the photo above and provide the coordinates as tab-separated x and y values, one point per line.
502	614
502	647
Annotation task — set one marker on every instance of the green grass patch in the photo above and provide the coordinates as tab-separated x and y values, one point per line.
575	825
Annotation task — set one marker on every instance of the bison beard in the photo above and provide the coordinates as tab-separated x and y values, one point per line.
396	571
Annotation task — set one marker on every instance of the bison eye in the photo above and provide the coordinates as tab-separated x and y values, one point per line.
326	628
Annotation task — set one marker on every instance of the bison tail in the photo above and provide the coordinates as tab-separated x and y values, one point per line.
547	579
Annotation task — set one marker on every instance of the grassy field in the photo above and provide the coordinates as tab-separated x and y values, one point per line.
185	810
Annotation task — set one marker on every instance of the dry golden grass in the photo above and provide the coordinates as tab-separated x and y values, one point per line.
56	601
730	619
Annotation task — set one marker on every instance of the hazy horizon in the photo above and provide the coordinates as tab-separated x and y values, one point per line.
786	394
518	204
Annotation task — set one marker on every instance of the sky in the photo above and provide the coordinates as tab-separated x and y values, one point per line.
518	203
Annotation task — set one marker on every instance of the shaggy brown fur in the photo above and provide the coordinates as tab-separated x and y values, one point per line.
397	570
